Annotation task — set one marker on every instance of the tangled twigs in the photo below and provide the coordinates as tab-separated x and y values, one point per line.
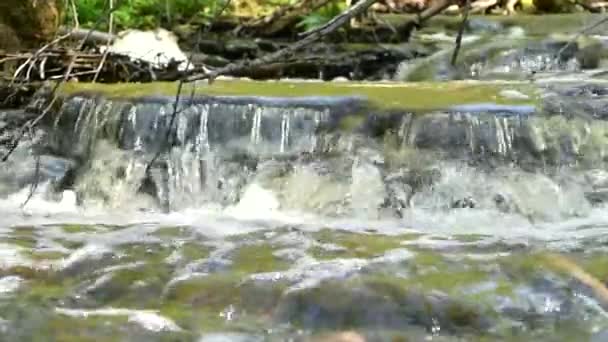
29	63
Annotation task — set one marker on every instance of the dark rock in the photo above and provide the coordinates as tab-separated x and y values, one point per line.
598	196
467	202
240	49
211	47
377	305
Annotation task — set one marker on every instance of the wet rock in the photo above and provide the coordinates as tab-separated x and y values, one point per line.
597	178
148	320
598	196
86	257
376	305
467	202
482	25
398	192
504	203
589	101
311	274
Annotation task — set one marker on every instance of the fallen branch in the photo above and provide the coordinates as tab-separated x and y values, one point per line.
324	30
89	35
580	33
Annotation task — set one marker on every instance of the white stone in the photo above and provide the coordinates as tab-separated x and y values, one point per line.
158	47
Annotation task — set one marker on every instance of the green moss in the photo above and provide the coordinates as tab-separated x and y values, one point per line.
21	241
27	231
594	263
213	292
69	244
523	266
189	318
426	258
42	287
449	282
155	253
135	288
194	251
77	228
171	232
424	95
46	255
358	245
256	258
469	237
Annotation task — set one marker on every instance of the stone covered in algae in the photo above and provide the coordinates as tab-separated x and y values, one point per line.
355	245
416	96
365	302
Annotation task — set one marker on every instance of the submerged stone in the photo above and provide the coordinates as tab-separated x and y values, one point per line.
335	305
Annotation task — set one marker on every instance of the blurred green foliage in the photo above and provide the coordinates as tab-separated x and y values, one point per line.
148	14
144	14
322	15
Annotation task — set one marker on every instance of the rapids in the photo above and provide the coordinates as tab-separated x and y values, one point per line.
322	208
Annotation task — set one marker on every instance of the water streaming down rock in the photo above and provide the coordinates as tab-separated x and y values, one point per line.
353	158
508	55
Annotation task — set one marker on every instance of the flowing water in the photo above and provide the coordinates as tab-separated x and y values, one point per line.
291	218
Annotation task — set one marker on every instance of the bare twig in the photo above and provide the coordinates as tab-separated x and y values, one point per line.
91	35
38	52
34	184
75	13
463	24
107	49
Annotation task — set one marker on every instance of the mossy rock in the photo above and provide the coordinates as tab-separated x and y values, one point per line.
256	258
410	96
356	245
363	302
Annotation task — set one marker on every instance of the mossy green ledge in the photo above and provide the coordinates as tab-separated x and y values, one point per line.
385	95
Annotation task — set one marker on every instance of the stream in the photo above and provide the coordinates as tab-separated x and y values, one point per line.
439	209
